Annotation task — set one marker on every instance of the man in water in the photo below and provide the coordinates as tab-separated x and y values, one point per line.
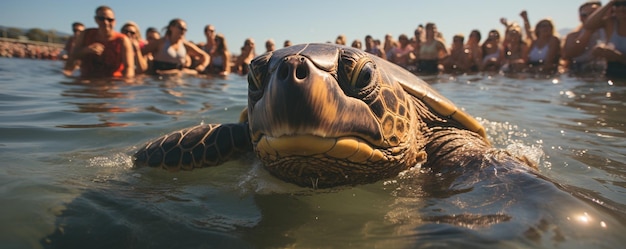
579	44
102	51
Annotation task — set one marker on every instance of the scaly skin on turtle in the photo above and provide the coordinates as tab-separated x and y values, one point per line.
323	115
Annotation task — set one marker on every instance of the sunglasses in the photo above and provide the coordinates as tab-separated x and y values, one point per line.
102	19
77	30
126	31
182	29
619	4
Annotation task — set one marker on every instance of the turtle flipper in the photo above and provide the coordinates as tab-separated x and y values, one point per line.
196	147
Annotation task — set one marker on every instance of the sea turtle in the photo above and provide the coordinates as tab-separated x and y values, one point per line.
324	115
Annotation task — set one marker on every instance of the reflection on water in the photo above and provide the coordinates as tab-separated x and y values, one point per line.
99	97
67	179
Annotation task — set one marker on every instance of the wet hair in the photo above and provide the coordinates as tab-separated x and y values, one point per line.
248	42
494	31
477	32
356	44
132	24
549	23
514	27
75	24
432	27
341	39
175	21
206	28
221	46
151	29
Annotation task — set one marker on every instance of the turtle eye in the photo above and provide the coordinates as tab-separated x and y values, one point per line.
257	70
253	82
363	74
255	90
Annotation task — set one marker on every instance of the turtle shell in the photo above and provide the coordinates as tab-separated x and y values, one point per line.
421	90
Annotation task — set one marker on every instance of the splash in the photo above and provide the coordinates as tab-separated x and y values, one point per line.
111	167
117	160
257	180
514	139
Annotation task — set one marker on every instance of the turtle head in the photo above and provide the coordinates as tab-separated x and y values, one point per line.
322	115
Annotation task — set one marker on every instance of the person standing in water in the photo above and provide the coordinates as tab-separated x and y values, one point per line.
102	51
612	19
172	53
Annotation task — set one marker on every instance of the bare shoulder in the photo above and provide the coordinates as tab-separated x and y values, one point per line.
189	44
153	46
193	47
555	40
572	35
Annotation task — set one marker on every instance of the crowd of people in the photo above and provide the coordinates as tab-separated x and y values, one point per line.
104	52
597	45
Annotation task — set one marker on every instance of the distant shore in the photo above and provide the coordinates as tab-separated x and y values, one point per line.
22	48
58	45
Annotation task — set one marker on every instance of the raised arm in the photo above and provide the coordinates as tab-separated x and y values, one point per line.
151	47
598	19
128	57
527	28
141	61
194	50
576	43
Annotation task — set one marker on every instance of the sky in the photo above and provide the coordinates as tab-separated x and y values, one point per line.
298	21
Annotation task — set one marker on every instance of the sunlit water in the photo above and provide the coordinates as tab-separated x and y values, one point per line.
66	177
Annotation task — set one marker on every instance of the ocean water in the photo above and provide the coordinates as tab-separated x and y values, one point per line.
67	180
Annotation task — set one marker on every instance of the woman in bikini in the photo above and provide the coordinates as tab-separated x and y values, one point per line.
458	62
401	54
545	47
209	33
474	51
431	51
220	58
515	55
492	50
611	18
131	30
173	52
246	56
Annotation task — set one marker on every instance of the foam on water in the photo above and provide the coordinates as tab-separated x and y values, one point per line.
514	139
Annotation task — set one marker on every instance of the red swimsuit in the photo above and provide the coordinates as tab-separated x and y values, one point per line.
110	63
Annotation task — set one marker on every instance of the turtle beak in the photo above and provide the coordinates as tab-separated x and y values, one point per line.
302	99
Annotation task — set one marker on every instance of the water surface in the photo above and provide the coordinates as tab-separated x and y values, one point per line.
66	177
